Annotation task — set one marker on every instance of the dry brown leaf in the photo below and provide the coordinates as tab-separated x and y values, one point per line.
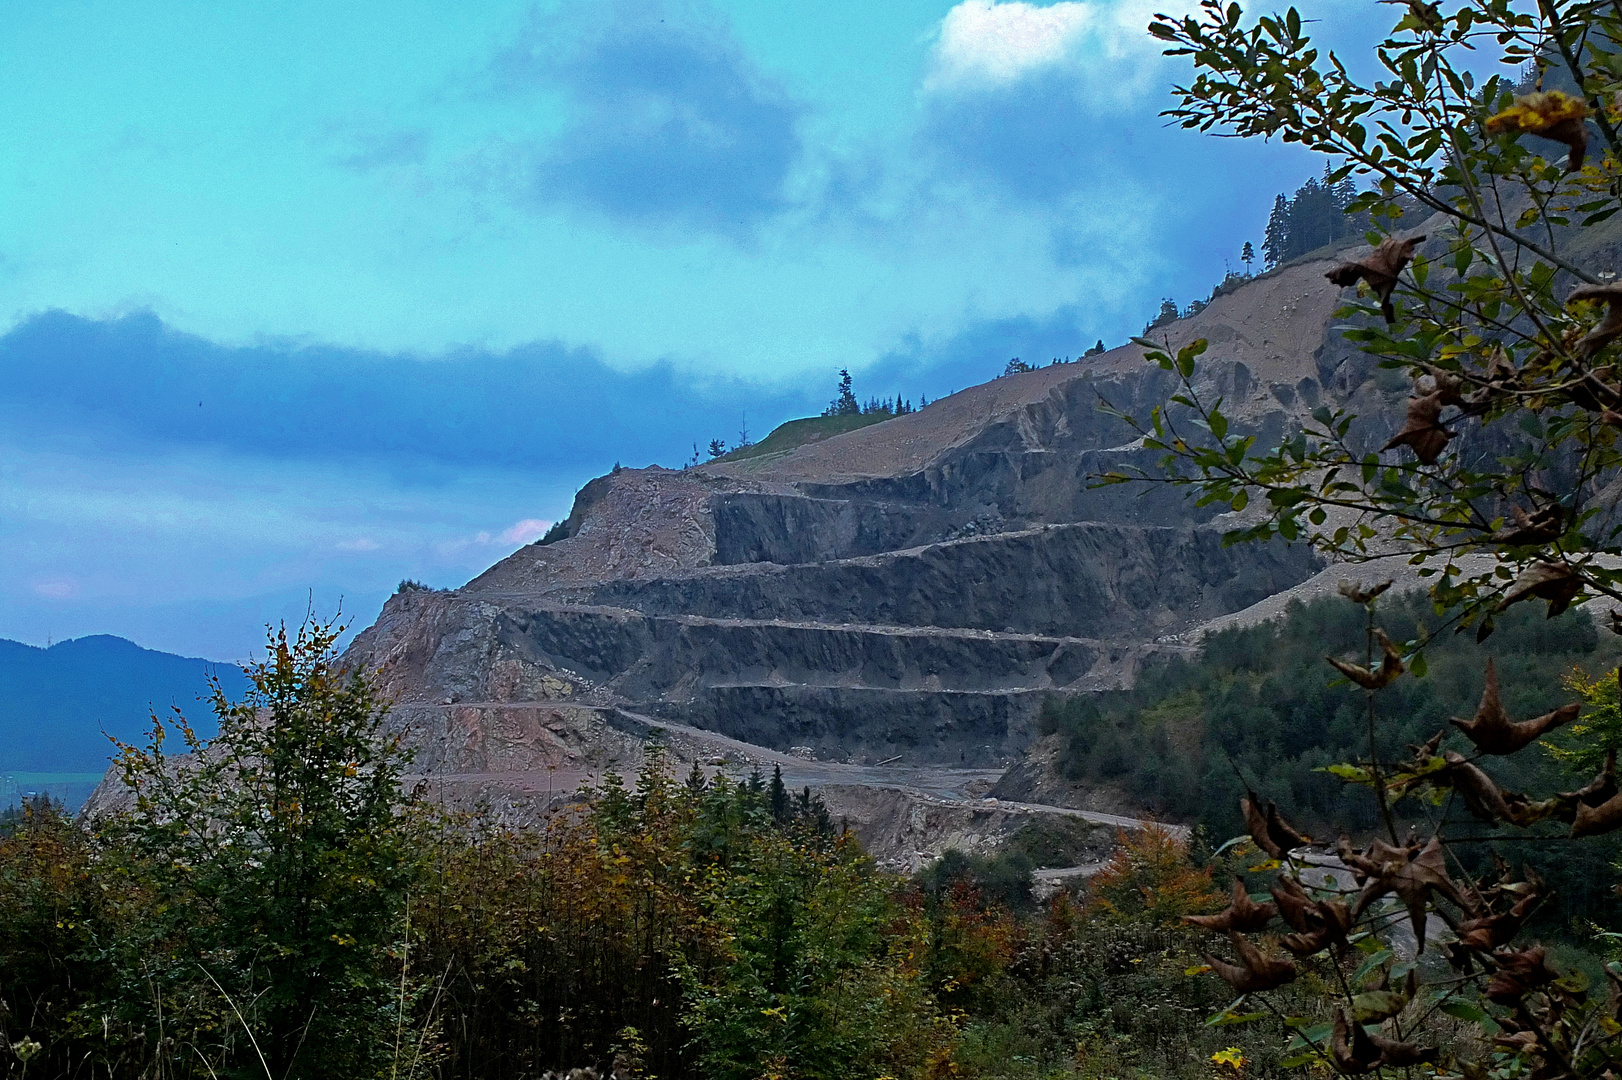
1294	904
1350	1047
1596	792
1356	595
1390	667
1594	820
1524	812
1519	973
1242	914
1423	430
1447	384
1307	944
1398	1054
1427	750
1606	330
1267	826
1331	921
1597	391
1493	732
1555	582
1380	269
1542	526
1255	971
1492	931
1365	865
1336	914
1412	878
1481	794
1319	923
1521	1042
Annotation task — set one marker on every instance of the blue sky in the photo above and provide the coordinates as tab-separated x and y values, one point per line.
303	298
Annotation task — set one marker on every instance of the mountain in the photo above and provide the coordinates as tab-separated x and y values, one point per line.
880	613
907	592
55	703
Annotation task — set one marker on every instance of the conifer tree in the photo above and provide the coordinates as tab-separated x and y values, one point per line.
844	402
777	799
1276	240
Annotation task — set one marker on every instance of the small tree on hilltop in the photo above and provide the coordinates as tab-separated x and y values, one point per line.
1247	256
844	402
1167	315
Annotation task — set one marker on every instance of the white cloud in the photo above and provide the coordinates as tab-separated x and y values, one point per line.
983	41
986	43
56	587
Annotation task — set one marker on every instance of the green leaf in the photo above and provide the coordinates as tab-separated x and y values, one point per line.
1186	356
1232	841
1228	1017
1375	1005
1314	1035
1240	500
1380	956
1463	1010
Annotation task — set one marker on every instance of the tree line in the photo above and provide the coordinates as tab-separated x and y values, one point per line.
275	902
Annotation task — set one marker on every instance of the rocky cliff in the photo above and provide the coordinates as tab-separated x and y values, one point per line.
908	591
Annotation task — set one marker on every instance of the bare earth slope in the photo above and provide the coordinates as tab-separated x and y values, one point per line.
906	593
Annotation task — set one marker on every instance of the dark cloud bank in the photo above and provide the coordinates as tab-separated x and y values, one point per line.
133	380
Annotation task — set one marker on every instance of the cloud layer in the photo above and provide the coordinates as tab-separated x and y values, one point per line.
669	122
543	406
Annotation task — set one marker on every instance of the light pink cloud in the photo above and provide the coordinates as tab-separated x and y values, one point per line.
526	531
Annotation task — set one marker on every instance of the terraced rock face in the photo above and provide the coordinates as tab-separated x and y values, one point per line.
912	588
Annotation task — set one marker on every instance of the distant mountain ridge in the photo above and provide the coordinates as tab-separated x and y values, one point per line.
57	702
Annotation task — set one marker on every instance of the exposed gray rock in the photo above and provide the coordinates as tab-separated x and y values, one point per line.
910	590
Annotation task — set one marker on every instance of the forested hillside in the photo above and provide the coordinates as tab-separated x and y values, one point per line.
1260	708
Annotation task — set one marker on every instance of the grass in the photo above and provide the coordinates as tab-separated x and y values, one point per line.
795	433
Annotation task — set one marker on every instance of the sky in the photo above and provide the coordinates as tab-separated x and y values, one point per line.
301	299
